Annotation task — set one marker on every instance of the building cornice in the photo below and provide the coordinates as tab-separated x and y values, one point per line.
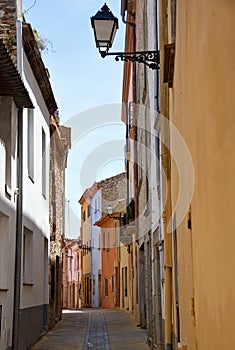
38	68
11	83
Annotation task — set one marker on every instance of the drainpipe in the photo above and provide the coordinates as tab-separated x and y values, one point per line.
166	216
19	205
168	274
18	248
166	166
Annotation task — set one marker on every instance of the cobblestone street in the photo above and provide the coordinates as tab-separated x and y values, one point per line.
94	329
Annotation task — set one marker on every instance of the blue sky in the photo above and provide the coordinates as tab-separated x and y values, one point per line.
87	89
80	77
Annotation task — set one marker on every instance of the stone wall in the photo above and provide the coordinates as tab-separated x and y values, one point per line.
8	15
113	190
58	162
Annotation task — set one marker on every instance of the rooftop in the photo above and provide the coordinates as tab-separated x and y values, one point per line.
11	83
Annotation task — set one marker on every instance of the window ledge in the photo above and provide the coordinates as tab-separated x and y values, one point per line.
25	283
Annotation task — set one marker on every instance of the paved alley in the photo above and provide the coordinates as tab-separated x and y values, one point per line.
100	329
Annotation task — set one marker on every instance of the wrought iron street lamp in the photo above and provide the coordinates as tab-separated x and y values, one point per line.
82	246
110	214
105	25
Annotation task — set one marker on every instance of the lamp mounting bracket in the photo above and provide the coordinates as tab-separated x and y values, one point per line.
149	58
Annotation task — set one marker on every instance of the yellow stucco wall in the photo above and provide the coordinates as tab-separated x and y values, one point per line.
124	262
202	108
86	237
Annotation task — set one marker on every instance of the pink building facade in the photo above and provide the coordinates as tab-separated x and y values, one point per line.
71	289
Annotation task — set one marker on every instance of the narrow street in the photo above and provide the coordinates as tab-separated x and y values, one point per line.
100	329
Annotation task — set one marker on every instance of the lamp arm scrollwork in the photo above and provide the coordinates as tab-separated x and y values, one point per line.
149	58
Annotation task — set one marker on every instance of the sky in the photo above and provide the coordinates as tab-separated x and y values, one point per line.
88	91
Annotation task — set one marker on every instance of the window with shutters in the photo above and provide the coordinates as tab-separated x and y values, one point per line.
106	287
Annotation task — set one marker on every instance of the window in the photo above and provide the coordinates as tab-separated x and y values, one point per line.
93	286
52	281
173	20
125	281
96	205
88	211
43	163
107	241
147	191
157	153
115	235
106	287
77	262
84	215
28	256
112	283
140	165
103	240
31	143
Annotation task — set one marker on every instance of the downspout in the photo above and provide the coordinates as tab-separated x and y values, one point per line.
18	248
19	205
155	100
168	273
135	169
166	168
158	261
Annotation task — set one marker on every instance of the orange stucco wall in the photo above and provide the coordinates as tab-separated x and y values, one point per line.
202	108
110	260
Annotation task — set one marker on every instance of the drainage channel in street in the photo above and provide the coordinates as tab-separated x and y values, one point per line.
97	335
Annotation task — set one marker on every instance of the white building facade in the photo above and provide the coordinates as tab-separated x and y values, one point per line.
26	105
10	111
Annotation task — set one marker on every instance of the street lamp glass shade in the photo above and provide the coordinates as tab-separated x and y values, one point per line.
109	210
105	26
80	243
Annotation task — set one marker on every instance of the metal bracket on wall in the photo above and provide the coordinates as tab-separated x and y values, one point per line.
149	58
